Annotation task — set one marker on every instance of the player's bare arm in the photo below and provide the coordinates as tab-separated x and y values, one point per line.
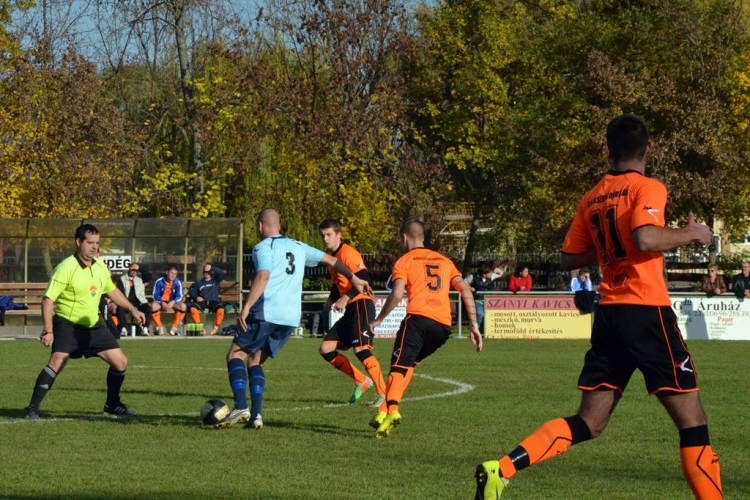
340	304
663	239
256	290
570	261
48	311
397	293
464	289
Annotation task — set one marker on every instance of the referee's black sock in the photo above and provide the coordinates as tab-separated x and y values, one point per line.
114	383
42	385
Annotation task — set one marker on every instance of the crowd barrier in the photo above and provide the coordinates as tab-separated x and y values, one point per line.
554	315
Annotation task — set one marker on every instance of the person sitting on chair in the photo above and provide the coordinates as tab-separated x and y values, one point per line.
133	286
205	297
169	296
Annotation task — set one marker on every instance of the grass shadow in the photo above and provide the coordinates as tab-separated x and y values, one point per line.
321	428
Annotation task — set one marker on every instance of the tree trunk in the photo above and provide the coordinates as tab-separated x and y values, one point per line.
188	94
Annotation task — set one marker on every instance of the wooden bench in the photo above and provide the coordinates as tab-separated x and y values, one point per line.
229	292
29	294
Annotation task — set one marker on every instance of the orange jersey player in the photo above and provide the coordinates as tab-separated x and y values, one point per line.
352	330
427	277
619	224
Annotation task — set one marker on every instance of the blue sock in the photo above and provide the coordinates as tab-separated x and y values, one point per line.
238	382
257	383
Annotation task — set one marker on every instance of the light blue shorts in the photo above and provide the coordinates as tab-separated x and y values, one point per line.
268	337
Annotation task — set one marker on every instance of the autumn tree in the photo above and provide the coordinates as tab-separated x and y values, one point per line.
525	90
67	150
309	115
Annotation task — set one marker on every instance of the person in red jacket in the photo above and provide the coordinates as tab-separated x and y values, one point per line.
520	281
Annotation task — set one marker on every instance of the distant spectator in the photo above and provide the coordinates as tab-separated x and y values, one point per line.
481	282
133	286
205	296
582	282
741	283
520	281
713	283
169	296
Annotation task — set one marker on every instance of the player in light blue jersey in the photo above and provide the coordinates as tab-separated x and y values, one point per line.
271	312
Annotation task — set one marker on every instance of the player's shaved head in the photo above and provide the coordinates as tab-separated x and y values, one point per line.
268	222
412	233
270	217
413	228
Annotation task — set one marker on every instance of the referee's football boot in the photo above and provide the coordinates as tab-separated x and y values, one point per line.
118	410
235	417
489	483
391	421
31	413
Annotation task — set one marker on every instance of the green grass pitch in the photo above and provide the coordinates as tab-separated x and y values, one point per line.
462	408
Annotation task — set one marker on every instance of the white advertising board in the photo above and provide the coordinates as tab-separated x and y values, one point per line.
117	262
714	318
389	327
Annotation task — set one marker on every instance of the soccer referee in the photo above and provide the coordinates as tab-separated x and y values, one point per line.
73	327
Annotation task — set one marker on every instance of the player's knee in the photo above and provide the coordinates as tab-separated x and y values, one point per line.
328	356
119	362
57	362
363	354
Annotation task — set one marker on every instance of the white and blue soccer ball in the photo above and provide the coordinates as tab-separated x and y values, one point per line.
213	411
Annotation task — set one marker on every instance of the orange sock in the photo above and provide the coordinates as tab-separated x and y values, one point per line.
397	384
178	316
342	364
219	317
549	440
195	314
372	365
156	318
700	466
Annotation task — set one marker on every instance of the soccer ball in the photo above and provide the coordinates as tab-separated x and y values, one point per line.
213	411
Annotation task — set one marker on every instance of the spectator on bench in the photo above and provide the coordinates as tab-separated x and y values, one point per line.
169	296
133	286
205	297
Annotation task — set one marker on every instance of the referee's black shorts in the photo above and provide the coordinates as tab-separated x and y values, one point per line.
629	337
78	340
417	338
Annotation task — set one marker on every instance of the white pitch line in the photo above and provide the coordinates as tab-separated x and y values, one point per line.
460	388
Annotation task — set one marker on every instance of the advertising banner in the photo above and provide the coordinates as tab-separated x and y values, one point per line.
534	317
389	327
117	262
715	318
